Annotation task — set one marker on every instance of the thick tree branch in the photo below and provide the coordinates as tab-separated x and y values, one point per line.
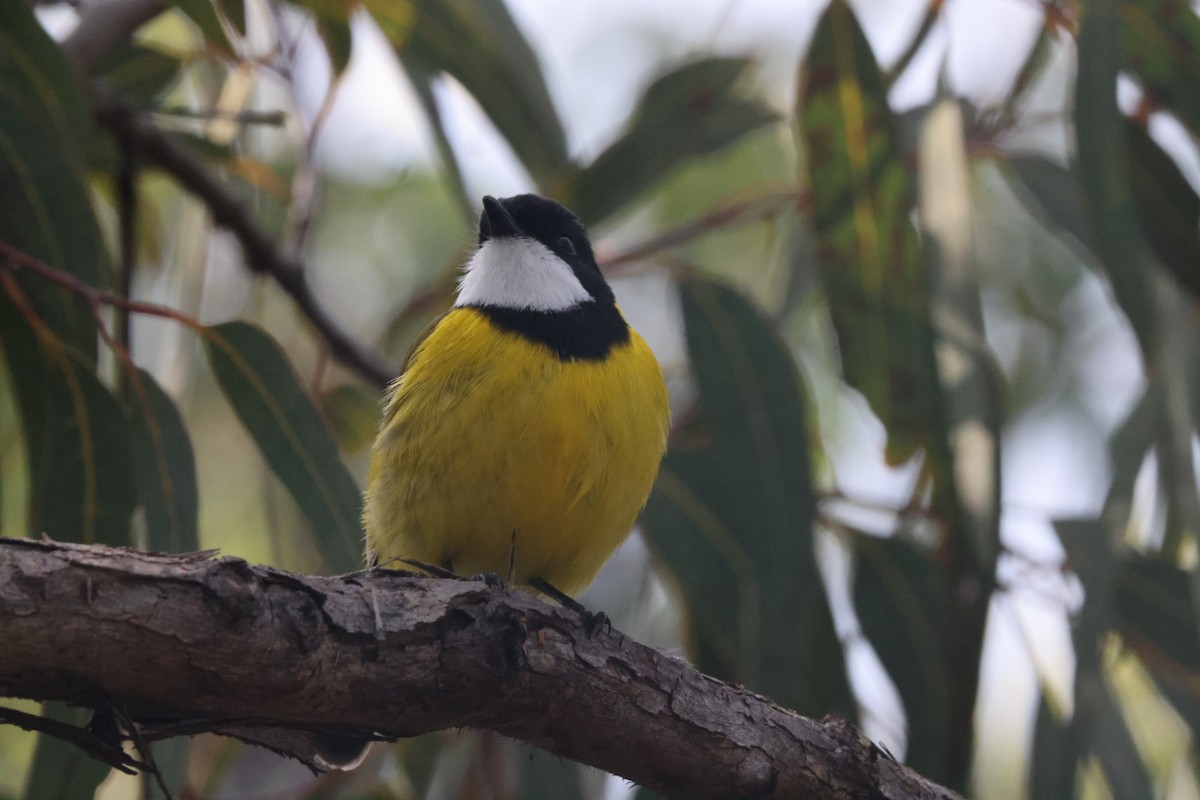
188	643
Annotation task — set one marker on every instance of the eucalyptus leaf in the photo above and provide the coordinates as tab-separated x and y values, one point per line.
137	72
1055	756
731	517
35	72
1160	42
1108	199
479	43
544	776
690	111
1167	205
204	14
353	414
61	771
77	440
1154	610
45	211
165	467
899	597
263	389
868	250
1051	192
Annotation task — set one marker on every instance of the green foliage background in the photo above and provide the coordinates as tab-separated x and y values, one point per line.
821	256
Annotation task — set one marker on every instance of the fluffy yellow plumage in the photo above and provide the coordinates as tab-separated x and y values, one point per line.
492	435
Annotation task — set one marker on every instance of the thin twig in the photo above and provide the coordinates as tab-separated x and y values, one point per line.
87	741
127	209
741	211
96	297
261	253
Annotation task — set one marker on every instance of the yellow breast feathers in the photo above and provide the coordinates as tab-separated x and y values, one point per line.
489	438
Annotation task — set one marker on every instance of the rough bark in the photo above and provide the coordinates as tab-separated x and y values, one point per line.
190	643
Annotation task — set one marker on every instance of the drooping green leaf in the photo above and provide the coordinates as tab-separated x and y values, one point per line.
1127	449
138	73
62	771
1102	728
204	14
929	24
1100	138
1098	726
1088	545
35	72
1167	205
1039	58
171	758
77	442
644	793
870	256
544	776
45	209
732	514
353	414
1160	42
1051	192
1055	756
899	597
419	757
234	11
967	454
263	389
1155	613
478	43
688	112
165	467
423	82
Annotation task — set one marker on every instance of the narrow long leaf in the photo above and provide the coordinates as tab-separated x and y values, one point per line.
1108	200
61	771
732	514
138	72
34	69
1055	757
899	596
1051	192
165	466
1098	726
81	475
1155	612
688	112
46	212
545	776
263	389
1167	205
204	14
870	257
1160	42
478	43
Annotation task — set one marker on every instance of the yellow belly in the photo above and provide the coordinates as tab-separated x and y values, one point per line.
487	436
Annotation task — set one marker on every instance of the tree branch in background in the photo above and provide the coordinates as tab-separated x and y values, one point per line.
752	209
156	148
105	23
186	644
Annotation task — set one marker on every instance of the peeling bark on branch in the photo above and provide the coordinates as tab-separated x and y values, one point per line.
188	643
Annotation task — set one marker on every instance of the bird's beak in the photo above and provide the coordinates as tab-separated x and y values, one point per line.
496	221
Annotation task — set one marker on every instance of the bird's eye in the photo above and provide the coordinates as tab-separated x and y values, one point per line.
566	245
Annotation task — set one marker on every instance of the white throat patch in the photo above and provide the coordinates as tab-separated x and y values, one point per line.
519	273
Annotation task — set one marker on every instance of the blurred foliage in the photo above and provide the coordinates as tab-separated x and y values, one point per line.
834	262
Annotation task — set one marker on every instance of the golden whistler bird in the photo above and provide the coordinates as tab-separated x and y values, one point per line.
526	428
